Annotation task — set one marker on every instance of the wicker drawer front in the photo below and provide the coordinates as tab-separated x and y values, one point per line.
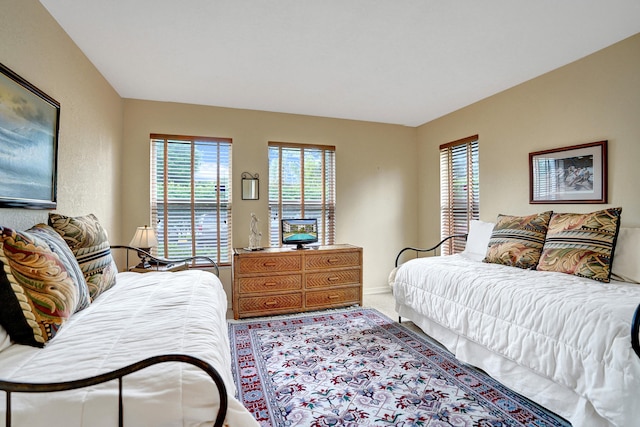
270	283
334	260
333	297
271	303
269	264
333	278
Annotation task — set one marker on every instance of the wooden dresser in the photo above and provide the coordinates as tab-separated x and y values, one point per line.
285	280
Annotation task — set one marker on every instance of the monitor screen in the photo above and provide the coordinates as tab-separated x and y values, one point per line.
299	232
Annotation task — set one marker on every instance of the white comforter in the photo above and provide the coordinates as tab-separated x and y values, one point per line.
573	331
144	315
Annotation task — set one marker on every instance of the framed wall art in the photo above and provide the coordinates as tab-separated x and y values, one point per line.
575	174
29	121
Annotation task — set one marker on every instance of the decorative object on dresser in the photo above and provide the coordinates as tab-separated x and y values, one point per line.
282	280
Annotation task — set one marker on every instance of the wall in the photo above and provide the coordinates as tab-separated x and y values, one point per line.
35	47
375	163
596	98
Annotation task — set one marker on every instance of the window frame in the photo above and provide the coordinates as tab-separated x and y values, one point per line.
223	208
327	204
453	218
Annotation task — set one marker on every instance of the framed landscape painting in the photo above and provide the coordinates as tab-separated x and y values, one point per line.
29	121
576	174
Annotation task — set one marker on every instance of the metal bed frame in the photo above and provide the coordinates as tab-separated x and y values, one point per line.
10	387
635	322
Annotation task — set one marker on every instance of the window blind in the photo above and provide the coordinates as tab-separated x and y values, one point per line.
191	196
302	185
459	190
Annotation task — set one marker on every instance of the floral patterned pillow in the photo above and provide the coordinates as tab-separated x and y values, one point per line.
517	241
41	284
582	244
89	243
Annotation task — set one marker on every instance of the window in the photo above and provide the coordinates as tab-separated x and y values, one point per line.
302	185
459	190
191	196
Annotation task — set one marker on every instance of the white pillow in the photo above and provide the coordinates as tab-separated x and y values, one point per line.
625	256
478	239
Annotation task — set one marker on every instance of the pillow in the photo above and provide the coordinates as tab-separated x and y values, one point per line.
41	284
581	244
625	266
90	245
517	241
478	239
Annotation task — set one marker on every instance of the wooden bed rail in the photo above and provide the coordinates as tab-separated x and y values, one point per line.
453	236
157	261
17	387
635	331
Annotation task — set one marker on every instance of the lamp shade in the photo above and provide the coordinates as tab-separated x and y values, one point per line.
145	237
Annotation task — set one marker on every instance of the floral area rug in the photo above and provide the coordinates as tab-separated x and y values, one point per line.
357	367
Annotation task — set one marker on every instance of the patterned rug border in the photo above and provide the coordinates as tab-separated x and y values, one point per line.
392	325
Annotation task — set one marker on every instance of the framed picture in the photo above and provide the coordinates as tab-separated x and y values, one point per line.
29	121
576	174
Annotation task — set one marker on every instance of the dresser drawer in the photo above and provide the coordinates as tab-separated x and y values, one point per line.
250	305
333	297
333	278
332	260
263	284
268	264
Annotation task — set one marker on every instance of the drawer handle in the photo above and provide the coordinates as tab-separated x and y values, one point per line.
270	283
269	264
333	279
333	296
271	303
332	260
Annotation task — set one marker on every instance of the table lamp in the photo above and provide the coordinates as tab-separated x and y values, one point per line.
144	238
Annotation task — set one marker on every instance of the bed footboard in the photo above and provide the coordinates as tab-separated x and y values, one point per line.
10	387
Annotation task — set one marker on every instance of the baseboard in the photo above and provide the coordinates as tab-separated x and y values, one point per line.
377	291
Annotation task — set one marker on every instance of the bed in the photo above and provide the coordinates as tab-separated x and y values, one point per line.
172	324
569	343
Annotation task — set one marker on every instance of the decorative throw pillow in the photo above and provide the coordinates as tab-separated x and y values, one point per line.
41	284
517	241
582	244
90	245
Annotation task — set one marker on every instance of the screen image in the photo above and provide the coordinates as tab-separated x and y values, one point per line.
299	231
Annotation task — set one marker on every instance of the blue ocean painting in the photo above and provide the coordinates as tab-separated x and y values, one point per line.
27	144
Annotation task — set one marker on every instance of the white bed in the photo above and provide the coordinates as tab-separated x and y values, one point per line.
561	340
143	315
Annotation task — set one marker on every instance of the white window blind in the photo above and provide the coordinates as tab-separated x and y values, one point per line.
302	185
459	190
191	196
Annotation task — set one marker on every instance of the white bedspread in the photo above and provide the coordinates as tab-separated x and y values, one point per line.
573	331
148	315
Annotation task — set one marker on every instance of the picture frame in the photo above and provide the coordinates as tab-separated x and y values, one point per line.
574	174
29	126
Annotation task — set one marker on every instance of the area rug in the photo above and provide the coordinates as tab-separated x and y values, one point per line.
357	367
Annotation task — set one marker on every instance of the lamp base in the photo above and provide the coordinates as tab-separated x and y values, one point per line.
144	262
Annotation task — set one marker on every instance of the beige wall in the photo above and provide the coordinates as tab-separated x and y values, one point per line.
376	170
34	46
593	99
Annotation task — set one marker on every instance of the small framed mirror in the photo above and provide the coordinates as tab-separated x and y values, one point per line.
250	186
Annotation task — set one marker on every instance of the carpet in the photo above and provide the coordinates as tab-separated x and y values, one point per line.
357	367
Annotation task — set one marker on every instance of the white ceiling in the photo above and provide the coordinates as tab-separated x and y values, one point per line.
392	61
